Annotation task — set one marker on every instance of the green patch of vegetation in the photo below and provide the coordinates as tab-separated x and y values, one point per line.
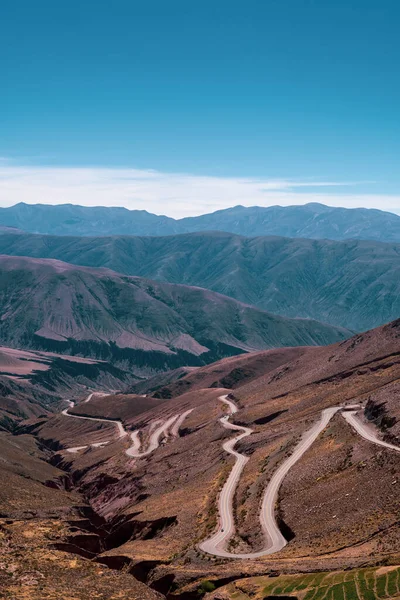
205	587
350	590
381	586
358	584
392	583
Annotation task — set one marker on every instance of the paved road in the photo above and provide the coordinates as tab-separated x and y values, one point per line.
274	538
275	541
365	431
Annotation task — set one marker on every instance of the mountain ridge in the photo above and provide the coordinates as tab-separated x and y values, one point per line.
311	220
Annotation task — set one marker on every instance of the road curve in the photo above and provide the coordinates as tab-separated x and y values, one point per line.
367	433
275	541
226	529
163	431
154	440
165	428
178	423
121	430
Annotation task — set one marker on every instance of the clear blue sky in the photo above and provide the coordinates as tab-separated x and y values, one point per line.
292	89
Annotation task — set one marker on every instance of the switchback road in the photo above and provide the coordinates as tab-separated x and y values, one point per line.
274	540
169	427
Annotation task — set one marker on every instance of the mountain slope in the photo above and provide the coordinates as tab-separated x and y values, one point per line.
311	220
50	305
232	372
355	284
338	505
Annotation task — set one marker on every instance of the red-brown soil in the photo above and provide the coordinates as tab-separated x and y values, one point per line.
340	501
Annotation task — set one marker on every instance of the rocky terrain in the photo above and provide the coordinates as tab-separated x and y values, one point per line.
135	323
38	509
338	505
353	284
311	220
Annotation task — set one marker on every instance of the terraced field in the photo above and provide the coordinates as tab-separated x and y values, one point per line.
362	584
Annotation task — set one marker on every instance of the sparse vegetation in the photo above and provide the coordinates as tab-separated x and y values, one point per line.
205	587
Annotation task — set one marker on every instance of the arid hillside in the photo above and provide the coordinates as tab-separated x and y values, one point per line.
38	508
232	372
135	323
123	407
156	486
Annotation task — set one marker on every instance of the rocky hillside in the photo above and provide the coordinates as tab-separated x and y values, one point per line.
338	505
352	284
50	305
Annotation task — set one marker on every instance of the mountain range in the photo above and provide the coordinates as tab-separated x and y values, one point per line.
119	420
55	306
312	220
353	284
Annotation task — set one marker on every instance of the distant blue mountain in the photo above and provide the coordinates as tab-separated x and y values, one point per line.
315	221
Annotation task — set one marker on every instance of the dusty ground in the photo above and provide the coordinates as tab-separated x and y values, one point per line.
31	569
339	503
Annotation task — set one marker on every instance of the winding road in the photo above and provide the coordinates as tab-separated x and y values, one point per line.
275	541
214	545
154	440
156	434
217	543
121	430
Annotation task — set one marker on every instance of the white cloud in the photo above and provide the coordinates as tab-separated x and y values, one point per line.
176	195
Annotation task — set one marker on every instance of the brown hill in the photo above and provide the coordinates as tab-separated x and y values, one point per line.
229	373
124	407
338	504
50	305
37	511
152	384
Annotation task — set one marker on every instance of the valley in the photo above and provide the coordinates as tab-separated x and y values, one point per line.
200	300
165	440
300	462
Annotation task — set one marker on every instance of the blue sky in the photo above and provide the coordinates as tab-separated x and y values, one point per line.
185	101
